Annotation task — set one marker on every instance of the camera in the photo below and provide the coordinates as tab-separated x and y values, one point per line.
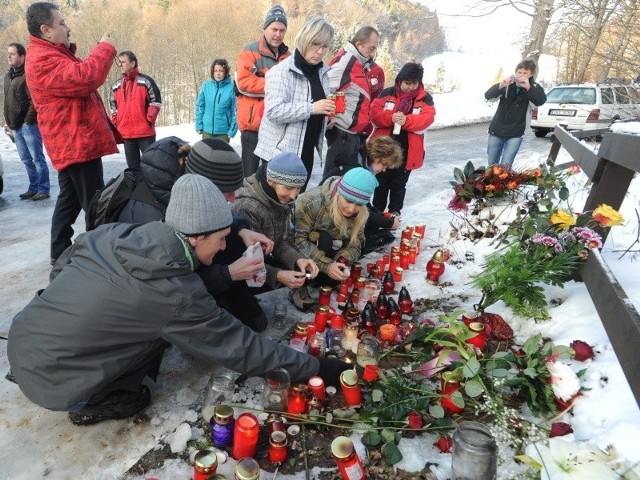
513	79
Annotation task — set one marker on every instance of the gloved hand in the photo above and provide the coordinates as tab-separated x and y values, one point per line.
330	370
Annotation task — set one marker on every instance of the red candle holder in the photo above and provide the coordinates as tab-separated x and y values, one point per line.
404	246
278	447
406	233
360	283
395	250
337	322
376	271
397	274
245	436
205	464
394	263
369	267
321	318
479	340
449	385
347	459
395	315
325	296
317	387
356	270
300	330
386	259
380	264
370	373
297	403
435	267
413	252
420	229
404	260
388	283
350	388
388	332
404	301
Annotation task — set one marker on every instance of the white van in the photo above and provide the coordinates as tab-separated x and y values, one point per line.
585	107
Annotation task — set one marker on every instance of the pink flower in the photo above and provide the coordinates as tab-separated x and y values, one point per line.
444	443
559	429
583	351
457	204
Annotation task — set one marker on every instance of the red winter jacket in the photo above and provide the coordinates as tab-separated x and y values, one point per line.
418	121
135	105
71	116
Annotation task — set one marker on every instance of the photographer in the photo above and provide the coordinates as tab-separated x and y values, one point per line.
508	124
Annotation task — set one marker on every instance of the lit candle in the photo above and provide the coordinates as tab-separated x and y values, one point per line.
297	403
404	300
321	318
317	345
413	252
350	340
245	436
395	315
350	388
388	283
404	260
478	340
316	385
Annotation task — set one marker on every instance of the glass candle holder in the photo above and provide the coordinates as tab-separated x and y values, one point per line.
479	338
276	388
347	460
280	316
277	447
222	425
404	260
356	271
397	274
382	308
247	469
334	342
448	386
381	265
368	351
337	322
474	452
321	318
404	301
395	315
376	272
324	297
394	263
350	388
420	229
317	346
386	258
406	233
360	283
220	390
297	404
300	330
350	340
275	423
371	288
245	436
413	252
317	387
435	267
205	464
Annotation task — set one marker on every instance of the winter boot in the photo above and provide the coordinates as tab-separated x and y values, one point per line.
113	406
301	298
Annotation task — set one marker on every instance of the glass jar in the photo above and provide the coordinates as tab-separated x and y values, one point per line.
368	351
275	423
321	318
278	447
317	387
474	453
317	346
222	424
325	296
245	436
404	260
274	396
334	341
220	390
347	459
297	400
205	464
247	469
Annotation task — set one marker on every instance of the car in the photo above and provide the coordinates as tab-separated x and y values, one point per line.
585	107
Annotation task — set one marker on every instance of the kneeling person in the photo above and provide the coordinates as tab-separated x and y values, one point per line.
120	295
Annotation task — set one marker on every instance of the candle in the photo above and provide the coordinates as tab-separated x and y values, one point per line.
448	386
368	350
404	260
347	459
406	233
350	388
369	267
205	464
297	404
300	330
321	318
395	315
413	252
478	340
388	332
325	296
371	288
368	318
420	229
435	267
386	259
337	322
247	469
278	447
222	424
350	340
375	271
316	385
356	271
394	263
317	345
245	436
404	300
397	274
360	283
370	373
388	283
382	311
275	423
395	250
380	264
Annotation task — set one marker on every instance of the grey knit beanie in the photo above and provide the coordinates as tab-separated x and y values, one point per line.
275	14
197	206
216	160
287	169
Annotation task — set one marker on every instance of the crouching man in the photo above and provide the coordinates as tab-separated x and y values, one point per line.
120	295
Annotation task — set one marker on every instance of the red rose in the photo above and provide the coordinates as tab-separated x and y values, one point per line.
444	443
414	420
583	351
559	429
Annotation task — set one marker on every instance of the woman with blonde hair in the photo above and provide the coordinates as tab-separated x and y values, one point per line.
329	222
295	101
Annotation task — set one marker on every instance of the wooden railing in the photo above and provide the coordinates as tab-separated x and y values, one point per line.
611	170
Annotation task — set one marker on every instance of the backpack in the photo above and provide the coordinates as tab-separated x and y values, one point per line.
108	202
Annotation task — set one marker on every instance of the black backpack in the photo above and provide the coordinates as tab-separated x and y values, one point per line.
107	204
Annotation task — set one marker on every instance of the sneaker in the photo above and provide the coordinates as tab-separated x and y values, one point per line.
11	377
40	196
301	299
114	406
26	195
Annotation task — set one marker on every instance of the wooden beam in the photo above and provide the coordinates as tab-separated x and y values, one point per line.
618	315
621	148
579	151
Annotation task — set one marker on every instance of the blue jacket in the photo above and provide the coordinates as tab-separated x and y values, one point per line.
216	108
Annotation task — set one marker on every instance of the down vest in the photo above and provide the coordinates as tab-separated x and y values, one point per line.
71	116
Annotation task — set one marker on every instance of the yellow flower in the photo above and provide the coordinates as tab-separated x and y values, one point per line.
562	219
607	216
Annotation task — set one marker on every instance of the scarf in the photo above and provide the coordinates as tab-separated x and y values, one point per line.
406	100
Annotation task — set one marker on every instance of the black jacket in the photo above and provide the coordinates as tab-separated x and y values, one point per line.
510	119
18	108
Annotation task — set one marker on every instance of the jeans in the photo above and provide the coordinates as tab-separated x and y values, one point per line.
78	184
29	145
507	148
133	147
250	161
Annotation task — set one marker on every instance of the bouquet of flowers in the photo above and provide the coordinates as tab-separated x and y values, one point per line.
547	251
487	182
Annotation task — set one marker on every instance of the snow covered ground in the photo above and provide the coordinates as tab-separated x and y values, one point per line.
35	442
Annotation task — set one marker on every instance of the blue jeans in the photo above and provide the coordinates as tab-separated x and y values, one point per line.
507	148
29	145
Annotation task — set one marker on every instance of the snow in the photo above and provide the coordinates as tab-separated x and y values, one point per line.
36	442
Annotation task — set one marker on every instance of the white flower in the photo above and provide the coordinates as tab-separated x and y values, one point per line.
564	382
563	460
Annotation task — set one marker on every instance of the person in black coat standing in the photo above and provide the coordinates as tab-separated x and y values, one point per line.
508	124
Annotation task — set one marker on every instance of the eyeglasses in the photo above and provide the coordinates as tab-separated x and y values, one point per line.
319	46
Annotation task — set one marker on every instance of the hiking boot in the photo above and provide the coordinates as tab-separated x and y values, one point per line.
26	195
40	196
11	377
114	406
301	299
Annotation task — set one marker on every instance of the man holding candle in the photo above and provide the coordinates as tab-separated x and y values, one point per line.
120	295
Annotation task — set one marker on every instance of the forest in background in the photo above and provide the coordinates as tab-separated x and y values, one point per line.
176	40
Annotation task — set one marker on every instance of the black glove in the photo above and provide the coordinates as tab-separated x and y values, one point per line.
330	370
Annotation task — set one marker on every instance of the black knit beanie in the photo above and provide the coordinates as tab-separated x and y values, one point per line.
218	161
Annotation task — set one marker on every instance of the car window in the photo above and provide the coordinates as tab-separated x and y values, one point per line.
621	94
586	95
607	96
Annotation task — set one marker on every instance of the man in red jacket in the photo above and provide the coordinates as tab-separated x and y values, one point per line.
73	122
135	105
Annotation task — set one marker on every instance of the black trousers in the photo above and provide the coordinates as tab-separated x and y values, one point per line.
78	184
343	148
133	147
392	185
250	162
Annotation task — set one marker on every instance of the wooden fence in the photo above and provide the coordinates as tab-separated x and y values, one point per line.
611	170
